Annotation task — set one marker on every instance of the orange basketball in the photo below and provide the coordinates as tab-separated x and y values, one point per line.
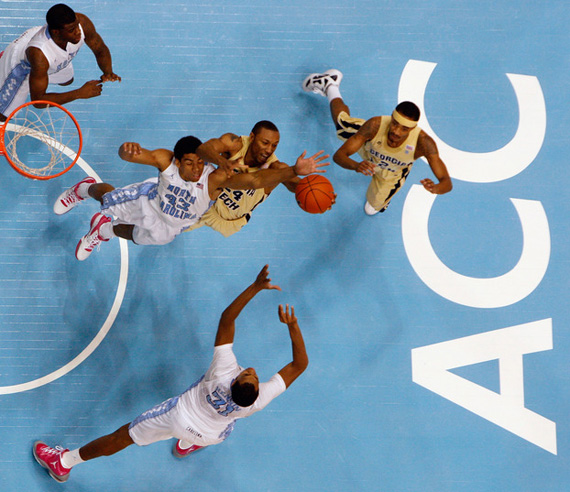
314	194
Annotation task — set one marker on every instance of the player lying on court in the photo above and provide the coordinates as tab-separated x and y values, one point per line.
388	145
158	209
205	413
42	55
250	153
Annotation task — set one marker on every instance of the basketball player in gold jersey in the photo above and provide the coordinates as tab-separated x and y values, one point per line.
388	145
232	210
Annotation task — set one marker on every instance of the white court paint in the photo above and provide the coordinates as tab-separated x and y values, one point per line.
87	351
431	365
484	167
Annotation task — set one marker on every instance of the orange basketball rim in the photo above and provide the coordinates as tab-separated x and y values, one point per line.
41	143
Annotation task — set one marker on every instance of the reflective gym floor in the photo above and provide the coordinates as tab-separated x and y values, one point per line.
437	332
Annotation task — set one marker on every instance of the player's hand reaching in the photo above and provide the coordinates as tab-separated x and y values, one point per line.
263	282
232	168
90	89
285	316
130	148
310	165
366	168
430	186
110	77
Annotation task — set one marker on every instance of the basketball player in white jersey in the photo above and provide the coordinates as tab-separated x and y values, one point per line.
206	412
43	55
388	145
157	210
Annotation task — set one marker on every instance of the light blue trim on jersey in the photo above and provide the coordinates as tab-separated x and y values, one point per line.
129	194
12	85
227	431
155	411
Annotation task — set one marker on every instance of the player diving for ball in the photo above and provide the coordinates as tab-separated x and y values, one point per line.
155	211
232	210
388	145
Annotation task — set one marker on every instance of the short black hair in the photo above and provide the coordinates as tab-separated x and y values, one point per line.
186	145
60	15
268	125
244	394
409	110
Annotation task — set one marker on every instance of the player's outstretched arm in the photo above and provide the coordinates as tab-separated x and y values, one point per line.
268	178
39	80
428	148
226	327
300	359
133	152
290	184
343	155
99	49
219	150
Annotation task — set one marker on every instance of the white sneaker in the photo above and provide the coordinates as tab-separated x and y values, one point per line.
92	239
69	198
320	82
369	209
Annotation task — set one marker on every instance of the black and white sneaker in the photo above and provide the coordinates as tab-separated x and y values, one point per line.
320	82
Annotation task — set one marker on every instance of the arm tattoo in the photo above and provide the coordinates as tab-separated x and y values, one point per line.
370	128
427	145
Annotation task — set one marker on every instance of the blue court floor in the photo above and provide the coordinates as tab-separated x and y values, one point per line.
437	332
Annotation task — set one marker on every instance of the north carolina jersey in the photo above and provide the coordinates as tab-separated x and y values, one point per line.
182	202
232	208
205	413
15	67
207	406
58	58
160	208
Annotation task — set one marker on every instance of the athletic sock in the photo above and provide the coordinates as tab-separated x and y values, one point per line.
83	190
106	231
333	92
71	458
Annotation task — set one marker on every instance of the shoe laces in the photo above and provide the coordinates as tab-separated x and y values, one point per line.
93	240
71	198
55	451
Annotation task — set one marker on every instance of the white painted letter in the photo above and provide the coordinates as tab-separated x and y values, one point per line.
431	364
494	292
486	167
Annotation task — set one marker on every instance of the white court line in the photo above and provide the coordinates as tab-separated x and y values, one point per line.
87	351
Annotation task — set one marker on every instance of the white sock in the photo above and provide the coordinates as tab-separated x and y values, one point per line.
184	445
333	92
71	458
83	190
106	231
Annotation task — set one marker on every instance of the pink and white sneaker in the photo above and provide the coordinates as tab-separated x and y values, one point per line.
182	453
92	239
69	198
50	459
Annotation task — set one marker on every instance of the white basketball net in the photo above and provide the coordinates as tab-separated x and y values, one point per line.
42	142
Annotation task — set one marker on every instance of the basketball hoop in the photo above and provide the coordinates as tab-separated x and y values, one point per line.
41	143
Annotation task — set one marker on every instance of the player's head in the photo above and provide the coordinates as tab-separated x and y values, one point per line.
190	165
245	388
62	23
264	140
404	119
